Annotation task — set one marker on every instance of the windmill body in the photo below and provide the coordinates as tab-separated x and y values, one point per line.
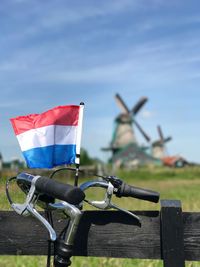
158	152
123	133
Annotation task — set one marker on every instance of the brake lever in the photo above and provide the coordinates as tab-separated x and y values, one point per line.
106	203
28	207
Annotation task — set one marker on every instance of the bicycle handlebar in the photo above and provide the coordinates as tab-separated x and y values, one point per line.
43	188
71	194
75	195
126	190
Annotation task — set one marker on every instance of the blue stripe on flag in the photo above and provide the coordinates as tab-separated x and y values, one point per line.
50	156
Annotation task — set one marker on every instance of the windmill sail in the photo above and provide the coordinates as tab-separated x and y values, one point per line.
121	104
139	105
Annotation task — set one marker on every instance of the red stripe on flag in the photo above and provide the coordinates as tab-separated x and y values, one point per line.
61	115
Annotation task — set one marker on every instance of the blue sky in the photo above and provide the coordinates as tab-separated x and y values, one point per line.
64	52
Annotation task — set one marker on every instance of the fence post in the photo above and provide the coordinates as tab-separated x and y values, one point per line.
172	243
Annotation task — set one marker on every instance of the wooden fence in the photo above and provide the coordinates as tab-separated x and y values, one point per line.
168	234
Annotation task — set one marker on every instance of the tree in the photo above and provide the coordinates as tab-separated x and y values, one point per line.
85	158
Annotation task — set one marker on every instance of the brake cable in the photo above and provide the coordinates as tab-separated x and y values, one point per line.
7	189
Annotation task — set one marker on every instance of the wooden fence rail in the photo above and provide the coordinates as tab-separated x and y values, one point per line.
168	234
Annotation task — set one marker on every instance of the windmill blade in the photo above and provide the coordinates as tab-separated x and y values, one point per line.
139	105
167	139
160	133
121	104
148	139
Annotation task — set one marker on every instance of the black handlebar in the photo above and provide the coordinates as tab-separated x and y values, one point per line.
75	195
126	190
66	192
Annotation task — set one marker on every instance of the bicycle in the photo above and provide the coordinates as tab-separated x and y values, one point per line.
43	191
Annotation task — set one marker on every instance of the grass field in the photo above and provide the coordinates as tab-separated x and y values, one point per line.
180	184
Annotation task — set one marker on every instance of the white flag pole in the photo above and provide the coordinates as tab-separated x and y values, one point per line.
78	143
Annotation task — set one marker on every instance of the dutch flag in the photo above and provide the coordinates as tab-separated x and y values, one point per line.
51	138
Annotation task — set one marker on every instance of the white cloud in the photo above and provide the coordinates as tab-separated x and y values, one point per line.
147	114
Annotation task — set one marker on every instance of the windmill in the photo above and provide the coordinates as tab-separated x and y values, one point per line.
124	146
124	133
159	152
159	146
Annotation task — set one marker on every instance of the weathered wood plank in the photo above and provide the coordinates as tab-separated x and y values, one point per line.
115	234
101	233
172	233
191	224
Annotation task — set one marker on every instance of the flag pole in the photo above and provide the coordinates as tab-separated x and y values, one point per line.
78	144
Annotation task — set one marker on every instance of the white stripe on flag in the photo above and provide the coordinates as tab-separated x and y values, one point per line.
47	136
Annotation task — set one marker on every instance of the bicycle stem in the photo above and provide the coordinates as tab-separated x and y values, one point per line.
64	247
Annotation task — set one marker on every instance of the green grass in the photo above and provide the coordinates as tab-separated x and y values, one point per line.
180	184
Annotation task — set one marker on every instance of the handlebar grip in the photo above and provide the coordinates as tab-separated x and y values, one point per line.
66	192
136	192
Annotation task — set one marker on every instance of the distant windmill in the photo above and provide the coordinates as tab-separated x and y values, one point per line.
159	146
124	146
124	132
